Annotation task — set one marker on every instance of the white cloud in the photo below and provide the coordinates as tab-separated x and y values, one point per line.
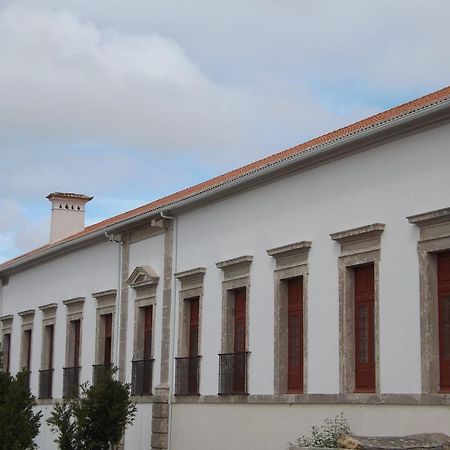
18	233
116	100
63	78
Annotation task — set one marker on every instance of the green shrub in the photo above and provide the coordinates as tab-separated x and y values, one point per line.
326	435
97	419
19	424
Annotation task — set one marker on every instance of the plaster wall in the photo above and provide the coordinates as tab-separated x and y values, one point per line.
384	184
271	427
77	274
138	435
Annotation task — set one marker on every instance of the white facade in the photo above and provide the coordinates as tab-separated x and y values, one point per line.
382	184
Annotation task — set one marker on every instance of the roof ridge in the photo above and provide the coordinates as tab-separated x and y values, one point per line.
373	121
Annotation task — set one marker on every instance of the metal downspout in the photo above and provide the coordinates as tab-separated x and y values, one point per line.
118	303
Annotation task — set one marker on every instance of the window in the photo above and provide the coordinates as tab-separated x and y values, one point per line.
26	350
358	307
290	324
106	320
443	269
144	281
46	374
48	336
364	295
142	364
106	303
233	361
72	369
26	342
434	271
187	364
6	322
295	335
6	347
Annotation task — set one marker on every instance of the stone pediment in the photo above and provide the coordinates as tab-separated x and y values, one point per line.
143	276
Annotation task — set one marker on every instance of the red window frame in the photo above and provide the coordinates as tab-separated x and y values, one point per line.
27	338
148	332
239	339
107	343
295	335
7	349
443	281
364	293
76	342
193	326
50	331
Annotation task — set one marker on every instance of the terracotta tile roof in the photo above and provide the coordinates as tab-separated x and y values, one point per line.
342	133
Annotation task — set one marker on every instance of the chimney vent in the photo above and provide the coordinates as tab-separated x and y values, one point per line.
67	214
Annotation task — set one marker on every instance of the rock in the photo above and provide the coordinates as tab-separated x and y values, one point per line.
347	441
438	441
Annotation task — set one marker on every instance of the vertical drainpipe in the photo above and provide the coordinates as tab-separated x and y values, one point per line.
118	302
173	321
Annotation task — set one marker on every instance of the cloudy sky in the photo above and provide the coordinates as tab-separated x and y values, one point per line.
132	100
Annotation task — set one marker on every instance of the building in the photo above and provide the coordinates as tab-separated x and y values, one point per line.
250	307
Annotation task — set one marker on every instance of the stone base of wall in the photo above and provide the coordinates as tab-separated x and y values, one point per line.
160	419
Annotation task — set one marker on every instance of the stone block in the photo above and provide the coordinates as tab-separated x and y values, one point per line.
159	441
160	410
160	425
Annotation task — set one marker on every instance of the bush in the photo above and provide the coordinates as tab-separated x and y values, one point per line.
326	435
97	419
19	424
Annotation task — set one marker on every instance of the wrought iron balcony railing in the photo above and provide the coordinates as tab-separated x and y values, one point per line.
45	383
141	377
71	381
100	371
187	375
233	373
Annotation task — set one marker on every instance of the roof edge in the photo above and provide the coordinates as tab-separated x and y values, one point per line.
386	128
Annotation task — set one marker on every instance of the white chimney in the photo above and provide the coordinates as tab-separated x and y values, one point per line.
67	214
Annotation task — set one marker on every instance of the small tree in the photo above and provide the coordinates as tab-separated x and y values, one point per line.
19	424
97	419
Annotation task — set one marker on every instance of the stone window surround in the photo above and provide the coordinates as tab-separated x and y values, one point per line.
49	318
358	246
7	322
143	280
74	312
434	237
236	274
106	304
291	261
191	286
27	324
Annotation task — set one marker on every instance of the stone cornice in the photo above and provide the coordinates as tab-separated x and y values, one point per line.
431	217
290	249
72	301
231	263
48	306
363	232
27	312
199	271
102	294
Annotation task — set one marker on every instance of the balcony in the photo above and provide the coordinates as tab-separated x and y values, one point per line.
45	383
233	373
71	381
141	377
101	371
187	375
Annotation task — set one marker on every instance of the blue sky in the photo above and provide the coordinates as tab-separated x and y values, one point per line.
132	101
